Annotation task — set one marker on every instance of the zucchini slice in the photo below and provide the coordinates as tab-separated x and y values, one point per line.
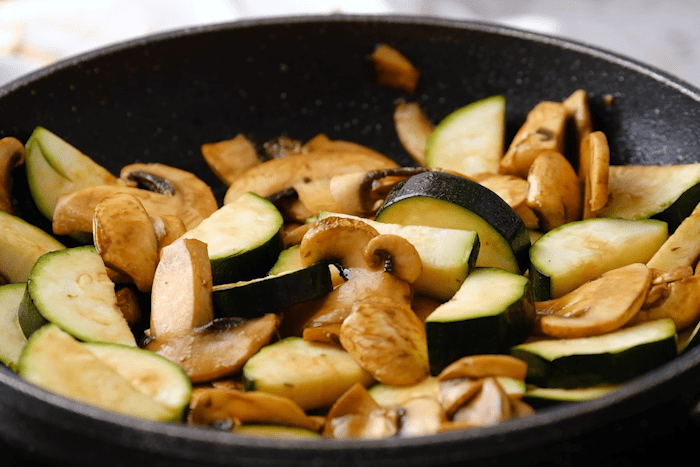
242	238
470	140
121	379
71	289
492	311
13	339
668	193
273	293
21	244
312	374
606	359
546	397
566	257
439	199
448	255
55	167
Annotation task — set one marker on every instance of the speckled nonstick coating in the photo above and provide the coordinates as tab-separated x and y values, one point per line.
159	98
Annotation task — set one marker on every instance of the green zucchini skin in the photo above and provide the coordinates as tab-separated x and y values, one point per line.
679	209
239	251
471	196
493	329
574	367
271	294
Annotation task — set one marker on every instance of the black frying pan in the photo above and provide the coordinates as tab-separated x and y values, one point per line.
159	98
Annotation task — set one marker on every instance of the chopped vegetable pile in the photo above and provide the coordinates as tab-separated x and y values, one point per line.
336	294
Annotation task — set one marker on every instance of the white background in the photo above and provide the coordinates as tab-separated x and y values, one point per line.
665	34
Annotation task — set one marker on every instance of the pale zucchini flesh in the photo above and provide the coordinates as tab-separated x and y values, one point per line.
71	289
312	374
242	238
21	244
493	310
667	192
577	252
605	359
55	167
13	339
57	362
471	139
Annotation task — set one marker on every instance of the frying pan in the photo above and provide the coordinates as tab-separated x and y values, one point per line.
159	98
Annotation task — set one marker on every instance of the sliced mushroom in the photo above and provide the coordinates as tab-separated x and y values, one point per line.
544	130
125	238
513	190
490	406
181	293
579	112
337	239
276	175
217	349
413	129
597	307
393	254
322	143
594	163
355	415
281	146
393	69
682	248
554	192
228	158
11	155
677	299
388	341
480	366
168	228
219	406
128	303
196	198
361	193
421	416
180	194
454	393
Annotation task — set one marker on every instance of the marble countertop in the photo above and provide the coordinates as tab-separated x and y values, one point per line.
662	33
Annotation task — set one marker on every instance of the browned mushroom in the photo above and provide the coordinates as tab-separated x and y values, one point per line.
513	190
276	175
179	193
596	307
230	407
490	406
218	349
594	163
181	293
228	158
393	69
11	155
355	415
421	416
543	130
554	192
677	297
480	366
124	236
168	228
128	303
579	112
413	129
